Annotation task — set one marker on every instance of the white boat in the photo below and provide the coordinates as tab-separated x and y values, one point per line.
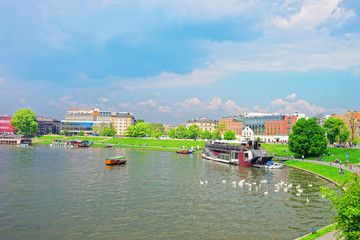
274	165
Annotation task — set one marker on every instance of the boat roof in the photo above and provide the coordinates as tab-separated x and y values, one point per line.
115	158
229	141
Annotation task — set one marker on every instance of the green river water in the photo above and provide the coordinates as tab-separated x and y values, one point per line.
60	193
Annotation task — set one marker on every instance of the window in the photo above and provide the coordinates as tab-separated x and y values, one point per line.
289	130
289	124
289	119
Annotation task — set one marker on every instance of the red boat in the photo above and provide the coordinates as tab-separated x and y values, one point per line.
182	151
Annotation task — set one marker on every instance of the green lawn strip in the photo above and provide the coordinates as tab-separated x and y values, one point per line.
338	153
319	233
323	170
157	142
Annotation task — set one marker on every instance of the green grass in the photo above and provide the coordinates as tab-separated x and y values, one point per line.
338	153
319	233
324	170
136	143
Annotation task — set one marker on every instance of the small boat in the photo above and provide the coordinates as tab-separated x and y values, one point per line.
109	145
274	165
115	160
182	151
24	145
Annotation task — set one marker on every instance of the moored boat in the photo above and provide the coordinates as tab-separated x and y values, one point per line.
247	153
115	160
274	165
182	151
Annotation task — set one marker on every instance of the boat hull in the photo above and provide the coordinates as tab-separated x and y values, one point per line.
115	162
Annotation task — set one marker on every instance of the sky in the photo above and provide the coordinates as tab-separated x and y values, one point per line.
171	61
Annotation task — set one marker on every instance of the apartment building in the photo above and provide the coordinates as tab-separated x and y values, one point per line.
203	123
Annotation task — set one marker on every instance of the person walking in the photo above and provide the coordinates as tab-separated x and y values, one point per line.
355	177
350	166
302	157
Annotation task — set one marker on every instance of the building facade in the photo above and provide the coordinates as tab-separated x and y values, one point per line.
203	123
121	121
77	120
232	124
48	125
268	127
5	125
14	139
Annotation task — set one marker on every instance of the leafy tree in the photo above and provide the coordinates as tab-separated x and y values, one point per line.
307	138
346	202
156	134
139	120
99	129
206	134
333	126
140	130
62	133
81	133
229	135
172	133
217	132
344	134
109	131
216	135
193	132
258	139
24	120
129	131
181	132
352	123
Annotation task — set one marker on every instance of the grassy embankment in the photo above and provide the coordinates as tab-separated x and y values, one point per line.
324	170
136	143
319	233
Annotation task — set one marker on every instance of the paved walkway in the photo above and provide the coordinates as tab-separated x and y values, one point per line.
355	169
328	236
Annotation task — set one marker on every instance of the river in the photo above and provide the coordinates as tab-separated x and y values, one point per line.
60	193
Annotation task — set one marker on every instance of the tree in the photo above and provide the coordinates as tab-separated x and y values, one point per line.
193	132
129	131
172	133
81	133
24	120
352	123
139	120
206	135
140	130
346	202
333	127
217	132
307	138
344	133
181	132
99	129
109	131
229	135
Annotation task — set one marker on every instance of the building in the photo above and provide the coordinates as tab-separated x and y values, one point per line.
14	139
5	125
203	123
268	127
48	125
77	120
121	121
232	124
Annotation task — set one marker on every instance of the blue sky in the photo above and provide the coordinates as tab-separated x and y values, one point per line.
171	61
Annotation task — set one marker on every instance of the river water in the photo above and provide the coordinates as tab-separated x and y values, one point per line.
59	193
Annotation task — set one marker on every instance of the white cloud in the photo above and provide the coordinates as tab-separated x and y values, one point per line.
313	13
125	106
149	102
291	97
103	100
300	105
165	109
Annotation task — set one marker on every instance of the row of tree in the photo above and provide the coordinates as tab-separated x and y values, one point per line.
310	139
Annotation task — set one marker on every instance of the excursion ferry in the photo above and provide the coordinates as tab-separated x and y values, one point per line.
247	153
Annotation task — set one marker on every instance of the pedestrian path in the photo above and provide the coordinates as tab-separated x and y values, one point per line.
354	169
328	236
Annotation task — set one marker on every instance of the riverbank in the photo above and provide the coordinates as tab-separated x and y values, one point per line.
133	143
